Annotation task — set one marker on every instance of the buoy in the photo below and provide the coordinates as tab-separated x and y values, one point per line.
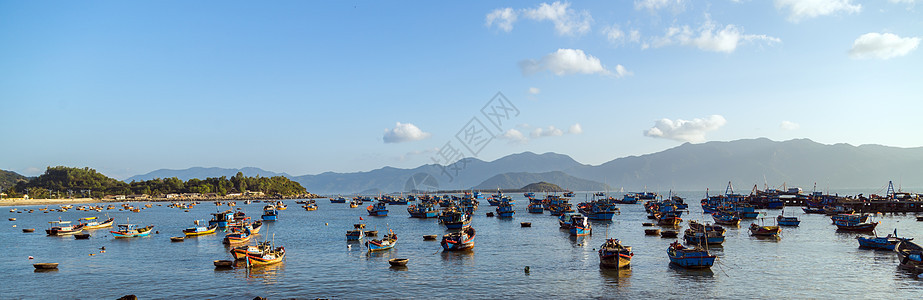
30	257
157	232
325	224
91	254
527	269
102	251
102	248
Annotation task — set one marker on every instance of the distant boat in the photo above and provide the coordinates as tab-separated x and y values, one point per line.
422	210
264	254
861	227
92	224
453	219
63	228
568	194
536	208
355	234
613	255
338	199
758	230
131	230
270	213
782	220
200	230
385	243
704	234
668	219
696	257
812	210
457	241
379	209
726	219
505	209
884	243
223	219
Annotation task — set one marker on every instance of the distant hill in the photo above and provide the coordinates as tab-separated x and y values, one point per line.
202	173
10	178
517	180
542	187
799	162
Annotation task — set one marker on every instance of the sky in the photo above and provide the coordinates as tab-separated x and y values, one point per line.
129	87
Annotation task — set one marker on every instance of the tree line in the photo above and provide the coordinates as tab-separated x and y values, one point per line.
62	182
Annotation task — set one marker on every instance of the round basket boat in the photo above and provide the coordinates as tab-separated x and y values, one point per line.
45	266
224	264
371	233
398	262
652	231
429	237
177	239
525	224
82	236
490	214
12	219
28	229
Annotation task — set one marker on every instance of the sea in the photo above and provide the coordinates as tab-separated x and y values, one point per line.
508	261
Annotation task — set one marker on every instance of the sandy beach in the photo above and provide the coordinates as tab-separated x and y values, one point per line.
24	202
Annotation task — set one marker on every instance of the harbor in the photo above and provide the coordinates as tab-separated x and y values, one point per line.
508	260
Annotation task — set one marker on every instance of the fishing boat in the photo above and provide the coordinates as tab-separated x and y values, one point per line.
726	218
453	219
238	235
458	241
850	218
910	255
536	208
223	219
580	226
266	255
652	231
354	203
385	243
338	199
281	206
758	230
695	257
270	213
566	220
669	234
704	234
505	209
668	219
813	210
613	255
884	243
787	221
568	193
859	227
422	210
379	209
94	224
63	228
398	262
310	206
200	230
356	234
131	230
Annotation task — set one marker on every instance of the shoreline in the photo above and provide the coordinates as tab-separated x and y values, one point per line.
75	201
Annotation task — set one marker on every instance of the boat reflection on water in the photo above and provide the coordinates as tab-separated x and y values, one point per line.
696	275
619	277
267	274
465	257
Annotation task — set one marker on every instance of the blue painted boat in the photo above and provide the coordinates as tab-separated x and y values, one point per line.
579	226
385	243
704	234
787	221
454	219
505	210
726	218
850	218
379	209
566	219
222	219
270	213
338	199
536	208
131	230
695	257
910	255
528	195
882	242
613	255
458	241
600	209
423	210
355	234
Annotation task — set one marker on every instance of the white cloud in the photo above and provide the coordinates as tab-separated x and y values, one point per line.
614	34
575	129
404	132
653	5
620	71
546	132
789	125
805	9
567	62
534	90
566	21
882	46
503	17
685	131
710	37
514	136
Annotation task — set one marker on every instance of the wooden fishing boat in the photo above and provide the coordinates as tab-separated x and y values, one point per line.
668	219
281	206
371	233
696	226
454	219
82	236
238	235
27	230
355	234
225	264
910	255
93	224
652	232
646	224
919	218
270	213
758	230
222	219
45	266
379	209
696	257
266	257
850	218
536	208
429	237
565	221
63	228
884	243
385	243
580	226
131	231
457	241
613	255
241	252
200	230
787	221
525	224
505	209
353	204
669	234
860	227
813	210
312	206
338	199
693	236
398	262
177	238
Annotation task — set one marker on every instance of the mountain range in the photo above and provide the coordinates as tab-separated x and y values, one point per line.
799	162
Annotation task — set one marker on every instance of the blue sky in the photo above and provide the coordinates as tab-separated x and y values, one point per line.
304	87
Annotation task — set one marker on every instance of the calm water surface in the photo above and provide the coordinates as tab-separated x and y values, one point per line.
810	261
